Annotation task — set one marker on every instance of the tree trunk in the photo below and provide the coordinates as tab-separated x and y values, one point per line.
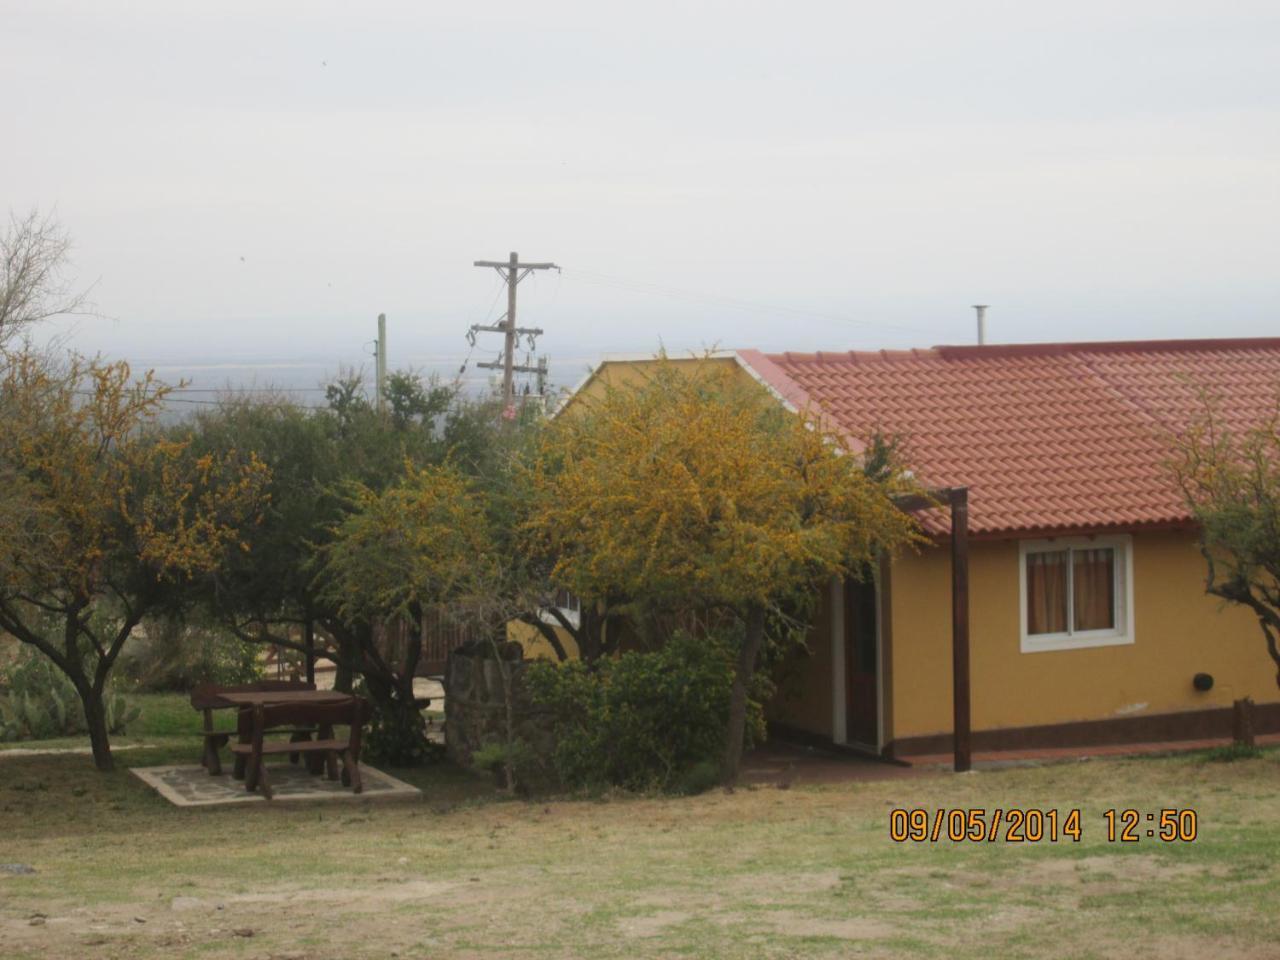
399	734
403	737
309	641
508	701
588	638
95	717
346	659
343	676
742	675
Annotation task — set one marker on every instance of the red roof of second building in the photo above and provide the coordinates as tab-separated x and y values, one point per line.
1048	437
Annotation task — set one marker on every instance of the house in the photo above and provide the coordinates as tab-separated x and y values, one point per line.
1088	618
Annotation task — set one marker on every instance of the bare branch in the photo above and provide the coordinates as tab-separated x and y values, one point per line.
548	632
33	260
263	637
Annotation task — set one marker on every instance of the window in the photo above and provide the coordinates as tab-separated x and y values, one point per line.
1076	592
569	605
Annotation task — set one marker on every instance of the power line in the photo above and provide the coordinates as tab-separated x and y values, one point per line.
218	403
471	339
247	390
166	398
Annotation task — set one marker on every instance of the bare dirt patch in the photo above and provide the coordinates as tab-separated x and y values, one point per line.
853	928
654	924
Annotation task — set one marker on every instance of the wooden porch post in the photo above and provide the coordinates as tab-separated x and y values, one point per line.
959	497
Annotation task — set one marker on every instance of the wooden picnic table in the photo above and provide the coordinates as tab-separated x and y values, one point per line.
252	698
244	701
322	753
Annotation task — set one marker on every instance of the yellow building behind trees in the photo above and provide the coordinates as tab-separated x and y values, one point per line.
1089	620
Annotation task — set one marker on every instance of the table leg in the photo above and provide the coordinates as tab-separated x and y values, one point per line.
212	762
208	756
330	761
244	734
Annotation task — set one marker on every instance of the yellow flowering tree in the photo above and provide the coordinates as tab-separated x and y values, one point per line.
421	543
697	491
103	519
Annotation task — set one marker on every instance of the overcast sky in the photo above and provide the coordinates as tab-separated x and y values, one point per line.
256	181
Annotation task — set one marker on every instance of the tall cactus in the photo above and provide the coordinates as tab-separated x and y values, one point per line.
41	702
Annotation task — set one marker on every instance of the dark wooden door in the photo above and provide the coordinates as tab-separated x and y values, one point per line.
862	709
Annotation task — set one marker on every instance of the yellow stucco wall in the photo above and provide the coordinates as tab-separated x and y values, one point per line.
1178	632
536	645
619	373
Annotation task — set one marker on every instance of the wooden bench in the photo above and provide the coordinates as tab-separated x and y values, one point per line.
321	716
206	697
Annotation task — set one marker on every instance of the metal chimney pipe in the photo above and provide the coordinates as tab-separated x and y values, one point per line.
981	308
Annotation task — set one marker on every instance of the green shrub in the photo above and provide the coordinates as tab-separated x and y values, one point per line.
397	732
497	758
699	778
168	654
1231	752
641	721
39	703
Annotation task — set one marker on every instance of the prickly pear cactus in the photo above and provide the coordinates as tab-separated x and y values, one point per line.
11	725
119	713
41	703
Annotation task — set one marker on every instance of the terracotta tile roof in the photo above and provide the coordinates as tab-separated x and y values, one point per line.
1048	437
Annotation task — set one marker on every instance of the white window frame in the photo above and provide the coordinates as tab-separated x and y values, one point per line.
1122	633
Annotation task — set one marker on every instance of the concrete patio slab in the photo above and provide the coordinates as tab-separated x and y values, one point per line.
191	786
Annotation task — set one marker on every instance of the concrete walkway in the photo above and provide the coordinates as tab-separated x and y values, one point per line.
15	752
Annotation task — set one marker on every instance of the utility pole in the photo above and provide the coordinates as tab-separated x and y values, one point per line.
513	271
380	361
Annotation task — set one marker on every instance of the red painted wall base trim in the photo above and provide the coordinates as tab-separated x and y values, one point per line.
1208	724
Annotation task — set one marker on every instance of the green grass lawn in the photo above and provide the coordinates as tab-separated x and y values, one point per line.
754	873
165	719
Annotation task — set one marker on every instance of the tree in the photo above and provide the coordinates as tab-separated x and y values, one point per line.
420	544
264	596
346	397
33	259
411	401
270	594
699	492
1229	476
105	520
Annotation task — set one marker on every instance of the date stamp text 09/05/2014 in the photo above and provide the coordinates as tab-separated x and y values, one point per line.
1035	825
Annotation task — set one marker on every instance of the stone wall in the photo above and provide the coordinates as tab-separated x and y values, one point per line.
474	705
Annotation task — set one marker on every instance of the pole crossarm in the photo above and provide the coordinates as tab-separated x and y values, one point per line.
501	328
505	265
